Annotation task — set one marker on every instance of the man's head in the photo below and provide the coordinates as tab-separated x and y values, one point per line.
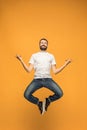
43	43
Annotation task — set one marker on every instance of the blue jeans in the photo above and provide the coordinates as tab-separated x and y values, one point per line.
39	83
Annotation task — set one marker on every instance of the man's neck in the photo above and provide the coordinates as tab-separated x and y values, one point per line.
43	51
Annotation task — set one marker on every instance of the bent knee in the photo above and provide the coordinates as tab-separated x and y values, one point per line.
26	94
60	94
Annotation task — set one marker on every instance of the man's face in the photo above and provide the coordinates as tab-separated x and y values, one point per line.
43	45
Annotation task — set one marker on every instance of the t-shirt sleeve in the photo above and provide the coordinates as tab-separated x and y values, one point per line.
53	60
31	61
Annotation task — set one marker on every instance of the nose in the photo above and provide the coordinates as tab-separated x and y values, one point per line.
43	44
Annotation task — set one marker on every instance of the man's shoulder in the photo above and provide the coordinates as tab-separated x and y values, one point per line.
35	54
50	54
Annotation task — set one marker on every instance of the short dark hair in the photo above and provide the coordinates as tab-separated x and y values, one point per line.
43	39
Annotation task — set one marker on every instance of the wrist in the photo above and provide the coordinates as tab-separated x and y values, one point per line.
65	64
21	60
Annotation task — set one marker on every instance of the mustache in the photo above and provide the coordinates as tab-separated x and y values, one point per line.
43	45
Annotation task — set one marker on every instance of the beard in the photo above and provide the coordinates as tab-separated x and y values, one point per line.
43	48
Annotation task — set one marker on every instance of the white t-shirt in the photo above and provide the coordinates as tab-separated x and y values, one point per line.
42	62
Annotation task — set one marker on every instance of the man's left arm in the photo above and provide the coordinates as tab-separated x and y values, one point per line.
57	70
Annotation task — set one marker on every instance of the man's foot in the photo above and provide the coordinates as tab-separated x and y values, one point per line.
47	103
40	106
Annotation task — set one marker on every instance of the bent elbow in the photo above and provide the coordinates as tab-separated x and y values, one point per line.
29	70
55	72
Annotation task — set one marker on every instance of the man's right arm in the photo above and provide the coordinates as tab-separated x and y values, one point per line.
27	68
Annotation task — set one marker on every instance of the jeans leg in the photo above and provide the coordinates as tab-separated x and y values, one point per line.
32	87
53	86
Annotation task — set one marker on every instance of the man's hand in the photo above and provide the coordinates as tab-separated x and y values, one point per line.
67	61
27	68
19	57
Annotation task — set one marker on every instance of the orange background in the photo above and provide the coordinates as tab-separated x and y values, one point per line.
64	24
